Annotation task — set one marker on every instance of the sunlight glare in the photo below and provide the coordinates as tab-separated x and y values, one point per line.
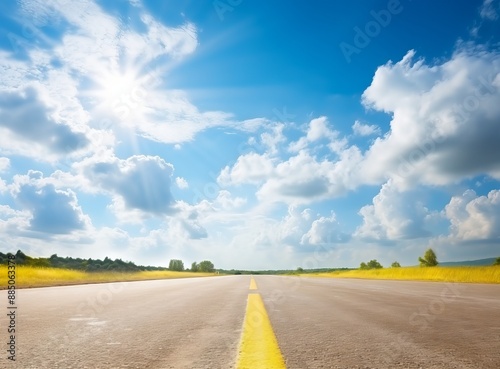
120	93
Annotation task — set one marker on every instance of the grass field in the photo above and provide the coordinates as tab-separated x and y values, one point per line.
41	277
480	274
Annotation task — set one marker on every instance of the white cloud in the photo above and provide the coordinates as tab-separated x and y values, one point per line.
361	129
293	226
13	221
300	144
324	231
4	164
304	179
140	182
186	224
434	137
488	10
181	183
226	201
272	139
300	179
53	211
253	124
318	129
394	215
249	168
474	217
25	121
299	229
80	74
446	119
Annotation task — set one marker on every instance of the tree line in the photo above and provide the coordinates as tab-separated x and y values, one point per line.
205	266
97	265
87	265
428	260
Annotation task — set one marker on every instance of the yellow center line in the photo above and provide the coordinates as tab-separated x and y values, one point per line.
258	346
253	285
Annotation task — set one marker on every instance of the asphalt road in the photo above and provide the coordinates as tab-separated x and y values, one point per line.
197	323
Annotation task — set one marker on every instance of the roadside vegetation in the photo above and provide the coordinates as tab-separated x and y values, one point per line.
472	274
429	270
29	276
56	271
86	265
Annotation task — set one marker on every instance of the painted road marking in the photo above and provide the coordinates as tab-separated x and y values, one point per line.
253	285
258	346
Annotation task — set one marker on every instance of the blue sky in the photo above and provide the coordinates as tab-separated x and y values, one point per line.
250	133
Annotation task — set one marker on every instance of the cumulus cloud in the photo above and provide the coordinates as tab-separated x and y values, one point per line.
474	217
319	129
446	118
304	179
26	121
293	226
300	229
394	215
225	200
187	224
444	128
52	210
324	231
13	221
249	168
181	183
141	182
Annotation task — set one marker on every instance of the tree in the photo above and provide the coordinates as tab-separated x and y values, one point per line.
300	270
206	266
22	258
374	264
194	267
497	261
429	259
176	265
396	265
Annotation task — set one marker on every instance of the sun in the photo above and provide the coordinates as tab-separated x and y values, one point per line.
120	93
118	86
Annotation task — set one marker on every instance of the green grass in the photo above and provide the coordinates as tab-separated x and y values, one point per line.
27	276
473	274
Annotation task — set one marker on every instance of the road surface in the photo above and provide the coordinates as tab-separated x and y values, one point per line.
197	323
